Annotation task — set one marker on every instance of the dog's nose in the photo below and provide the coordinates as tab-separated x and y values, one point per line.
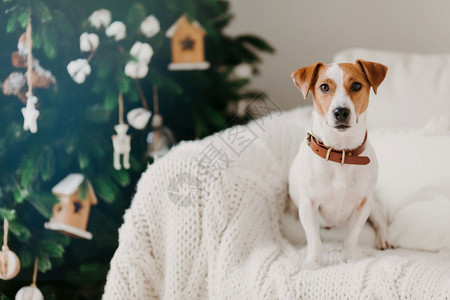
341	113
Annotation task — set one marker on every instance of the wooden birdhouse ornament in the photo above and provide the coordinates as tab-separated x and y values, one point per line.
70	216
188	47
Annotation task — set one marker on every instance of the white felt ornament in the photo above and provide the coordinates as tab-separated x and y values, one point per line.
143	52
122	146
30	115
29	293
136	69
79	69
9	264
138	117
150	26
100	18
117	30
88	42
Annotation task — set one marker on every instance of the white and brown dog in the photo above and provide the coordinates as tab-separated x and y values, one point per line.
333	176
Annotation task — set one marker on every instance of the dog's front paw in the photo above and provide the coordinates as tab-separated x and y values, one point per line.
311	263
383	244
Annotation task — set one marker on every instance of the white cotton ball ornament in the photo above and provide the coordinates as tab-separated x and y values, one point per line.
29	293
136	69
150	26
9	264
117	30
100	18
88	42
79	69
142	51
138	117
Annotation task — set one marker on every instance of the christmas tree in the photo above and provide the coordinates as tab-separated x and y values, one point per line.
76	120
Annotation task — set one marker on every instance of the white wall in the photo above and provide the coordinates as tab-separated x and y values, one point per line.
304	32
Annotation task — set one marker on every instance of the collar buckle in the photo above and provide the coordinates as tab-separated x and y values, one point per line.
311	135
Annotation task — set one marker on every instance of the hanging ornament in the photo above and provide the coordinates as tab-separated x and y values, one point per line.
40	77
9	262
31	292
136	69
79	69
159	141
71	215
150	26
139	117
117	30
121	141
188	47
100	18
142	54
88	42
21	85
30	115
15	84
161	138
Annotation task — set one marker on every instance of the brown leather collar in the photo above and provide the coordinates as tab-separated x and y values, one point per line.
349	157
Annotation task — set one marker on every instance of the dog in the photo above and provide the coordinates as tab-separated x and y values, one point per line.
333	176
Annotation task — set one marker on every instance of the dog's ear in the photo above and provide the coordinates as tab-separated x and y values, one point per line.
305	78
374	72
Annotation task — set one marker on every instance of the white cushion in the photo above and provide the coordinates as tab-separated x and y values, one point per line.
415	89
413	186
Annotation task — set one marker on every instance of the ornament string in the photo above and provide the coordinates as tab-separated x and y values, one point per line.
121	108
141	94
5	234
35	272
92	53
155	100
29	37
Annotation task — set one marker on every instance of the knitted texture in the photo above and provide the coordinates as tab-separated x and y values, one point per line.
205	224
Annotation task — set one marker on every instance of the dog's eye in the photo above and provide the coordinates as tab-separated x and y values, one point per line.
324	88
356	86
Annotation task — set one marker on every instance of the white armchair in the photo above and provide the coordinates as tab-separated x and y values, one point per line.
206	223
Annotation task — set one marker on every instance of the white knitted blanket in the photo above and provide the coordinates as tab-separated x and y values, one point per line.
205	224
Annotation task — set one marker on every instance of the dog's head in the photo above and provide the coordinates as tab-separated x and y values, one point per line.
340	91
